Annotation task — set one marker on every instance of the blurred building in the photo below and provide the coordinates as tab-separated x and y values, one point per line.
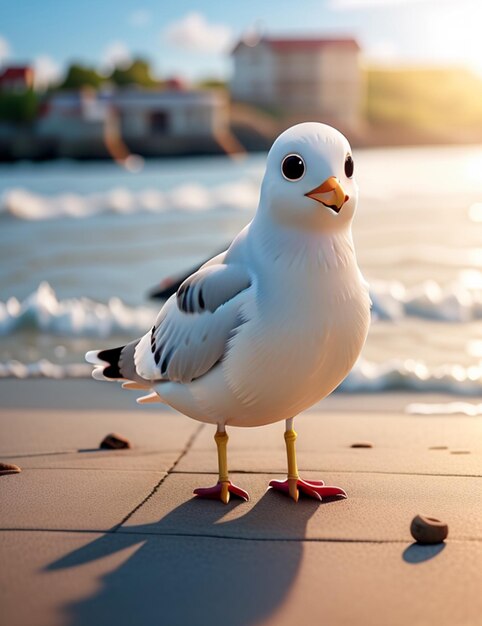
150	122
16	78
320	78
175	113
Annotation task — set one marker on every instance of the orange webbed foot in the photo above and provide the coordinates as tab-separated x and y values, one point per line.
222	490
311	488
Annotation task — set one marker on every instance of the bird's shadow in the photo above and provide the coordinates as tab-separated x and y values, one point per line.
179	579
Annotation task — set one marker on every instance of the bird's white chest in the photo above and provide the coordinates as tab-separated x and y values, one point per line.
301	339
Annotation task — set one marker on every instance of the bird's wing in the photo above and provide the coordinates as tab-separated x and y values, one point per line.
210	287
192	329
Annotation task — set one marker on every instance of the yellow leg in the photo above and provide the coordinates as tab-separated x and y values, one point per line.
294	484
221	438
223	489
290	440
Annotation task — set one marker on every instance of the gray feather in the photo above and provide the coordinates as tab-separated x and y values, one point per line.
127	366
210	287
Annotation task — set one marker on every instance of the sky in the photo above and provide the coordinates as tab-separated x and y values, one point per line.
193	40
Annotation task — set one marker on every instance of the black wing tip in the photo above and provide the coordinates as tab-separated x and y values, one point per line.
112	358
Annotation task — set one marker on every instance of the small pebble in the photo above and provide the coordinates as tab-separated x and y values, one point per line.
428	530
362	444
8	468
113	441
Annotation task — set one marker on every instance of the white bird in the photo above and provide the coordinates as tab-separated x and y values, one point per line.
229	348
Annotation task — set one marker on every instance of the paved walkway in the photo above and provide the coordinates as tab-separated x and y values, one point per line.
95	537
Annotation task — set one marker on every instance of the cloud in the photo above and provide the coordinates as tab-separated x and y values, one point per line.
193	32
116	54
4	49
139	18
46	71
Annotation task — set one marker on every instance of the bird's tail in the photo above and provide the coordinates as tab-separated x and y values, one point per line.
108	367
107	363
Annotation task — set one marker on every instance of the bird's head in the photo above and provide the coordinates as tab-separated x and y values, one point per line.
309	181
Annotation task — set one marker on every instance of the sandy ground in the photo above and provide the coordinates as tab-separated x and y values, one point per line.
98	537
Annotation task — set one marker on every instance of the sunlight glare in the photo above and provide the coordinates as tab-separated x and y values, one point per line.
475	212
471	279
474	348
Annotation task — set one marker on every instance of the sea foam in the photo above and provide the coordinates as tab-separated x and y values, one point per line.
43	311
412	375
27	205
366	377
428	300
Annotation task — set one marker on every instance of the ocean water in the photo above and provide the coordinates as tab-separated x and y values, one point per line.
81	244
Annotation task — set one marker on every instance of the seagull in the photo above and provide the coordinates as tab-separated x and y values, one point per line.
229	348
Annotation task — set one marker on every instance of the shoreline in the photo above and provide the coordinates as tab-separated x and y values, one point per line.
29	147
259	147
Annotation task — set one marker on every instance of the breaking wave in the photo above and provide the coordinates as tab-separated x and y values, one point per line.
428	300
45	312
74	317
44	368
26	205
366	377
411	375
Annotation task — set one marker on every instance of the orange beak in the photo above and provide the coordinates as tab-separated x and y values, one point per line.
330	193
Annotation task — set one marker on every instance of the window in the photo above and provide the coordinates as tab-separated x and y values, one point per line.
159	122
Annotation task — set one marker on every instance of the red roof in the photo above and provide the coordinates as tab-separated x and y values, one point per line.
309	44
175	83
14	73
306	43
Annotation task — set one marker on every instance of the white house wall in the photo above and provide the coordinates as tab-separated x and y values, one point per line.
298	80
341	74
324	81
254	74
187	113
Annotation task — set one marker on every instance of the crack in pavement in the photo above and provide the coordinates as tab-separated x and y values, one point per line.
331	471
156	487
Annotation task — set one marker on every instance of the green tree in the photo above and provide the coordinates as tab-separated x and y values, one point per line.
18	108
137	73
212	83
81	76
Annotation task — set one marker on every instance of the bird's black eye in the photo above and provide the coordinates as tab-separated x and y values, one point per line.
349	166
293	167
